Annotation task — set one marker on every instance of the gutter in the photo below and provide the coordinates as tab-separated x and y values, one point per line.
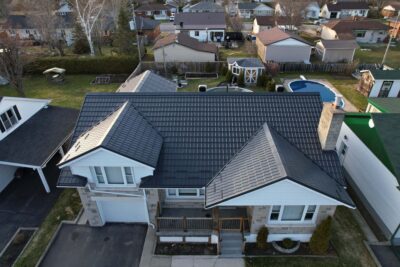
394	234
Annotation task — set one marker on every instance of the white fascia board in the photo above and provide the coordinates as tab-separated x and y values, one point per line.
19	165
105	150
11	98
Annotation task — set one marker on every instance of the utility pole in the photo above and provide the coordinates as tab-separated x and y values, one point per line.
137	32
390	39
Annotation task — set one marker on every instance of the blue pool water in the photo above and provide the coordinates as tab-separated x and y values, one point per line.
327	95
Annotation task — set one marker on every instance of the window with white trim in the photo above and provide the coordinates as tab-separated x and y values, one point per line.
9	118
115	176
235	70
292	213
185	192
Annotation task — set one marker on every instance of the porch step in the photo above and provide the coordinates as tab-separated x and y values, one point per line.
231	244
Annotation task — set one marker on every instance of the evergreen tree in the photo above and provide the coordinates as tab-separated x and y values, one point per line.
319	242
124	37
81	45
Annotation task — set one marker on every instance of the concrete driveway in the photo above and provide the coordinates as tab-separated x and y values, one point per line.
112	245
24	202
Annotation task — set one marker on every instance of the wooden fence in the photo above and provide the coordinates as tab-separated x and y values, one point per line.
182	67
184	223
347	68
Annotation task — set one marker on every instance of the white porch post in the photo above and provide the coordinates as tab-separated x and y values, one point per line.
43	178
61	151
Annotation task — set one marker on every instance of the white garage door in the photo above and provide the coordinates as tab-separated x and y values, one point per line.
123	210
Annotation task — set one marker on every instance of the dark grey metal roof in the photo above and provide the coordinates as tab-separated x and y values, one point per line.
246	62
265	159
125	132
202	132
67	179
35	141
148	82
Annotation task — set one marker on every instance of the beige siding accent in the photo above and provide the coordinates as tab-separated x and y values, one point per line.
179	53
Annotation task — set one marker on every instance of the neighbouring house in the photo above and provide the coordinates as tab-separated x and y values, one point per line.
262	23
148	28
339	10
196	164
205	27
394	25
391	9
20	26
183	48
203	6
368	148
279	46
383	105
363	30
147	82
249	10
64	8
380	83
252	68
154	10
311	11
32	133
336	50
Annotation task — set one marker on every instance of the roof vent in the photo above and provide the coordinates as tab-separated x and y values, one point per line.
202	88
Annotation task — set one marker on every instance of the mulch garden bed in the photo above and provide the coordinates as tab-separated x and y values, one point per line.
16	246
185	249
251	249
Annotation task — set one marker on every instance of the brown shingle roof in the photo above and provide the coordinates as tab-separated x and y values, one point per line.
339	44
185	40
274	35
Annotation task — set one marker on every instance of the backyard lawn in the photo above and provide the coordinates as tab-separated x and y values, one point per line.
70	94
375	55
347	239
346	85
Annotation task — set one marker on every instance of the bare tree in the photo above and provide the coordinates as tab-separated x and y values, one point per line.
12	63
112	8
379	4
293	11
236	23
88	12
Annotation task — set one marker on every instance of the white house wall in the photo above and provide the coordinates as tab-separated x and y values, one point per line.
105	158
373	179
294	194
6	175
289	50
394	91
27	108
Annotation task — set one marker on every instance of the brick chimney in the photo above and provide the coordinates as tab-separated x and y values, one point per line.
330	122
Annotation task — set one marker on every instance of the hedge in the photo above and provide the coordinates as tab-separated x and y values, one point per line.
84	65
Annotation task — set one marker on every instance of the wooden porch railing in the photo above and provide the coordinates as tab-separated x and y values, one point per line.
184	223
234	224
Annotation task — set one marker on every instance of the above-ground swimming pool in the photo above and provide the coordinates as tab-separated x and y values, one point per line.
301	86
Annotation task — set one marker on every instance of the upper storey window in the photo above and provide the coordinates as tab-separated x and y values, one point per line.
9	118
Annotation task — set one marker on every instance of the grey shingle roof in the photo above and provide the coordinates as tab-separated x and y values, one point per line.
209	20
265	159
248	5
124	132
347	5
206	6
35	141
201	132
147	82
339	44
246	62
67	179
144	23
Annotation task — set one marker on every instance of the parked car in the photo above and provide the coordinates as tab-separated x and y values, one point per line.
251	37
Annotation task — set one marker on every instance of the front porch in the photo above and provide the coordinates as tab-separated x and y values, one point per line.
202	221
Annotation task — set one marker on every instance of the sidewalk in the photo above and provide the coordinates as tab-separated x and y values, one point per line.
148	259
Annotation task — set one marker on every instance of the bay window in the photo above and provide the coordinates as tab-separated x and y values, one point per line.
113	175
292	213
185	193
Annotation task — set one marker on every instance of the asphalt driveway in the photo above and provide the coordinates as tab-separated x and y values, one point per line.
25	203
108	246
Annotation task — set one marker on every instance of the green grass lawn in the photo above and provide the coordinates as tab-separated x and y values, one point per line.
68	94
346	85
244	50
66	207
347	239
376	53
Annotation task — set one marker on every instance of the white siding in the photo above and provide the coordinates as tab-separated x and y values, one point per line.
394	91
376	182
285	192
123	209
27	108
105	158
6	175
